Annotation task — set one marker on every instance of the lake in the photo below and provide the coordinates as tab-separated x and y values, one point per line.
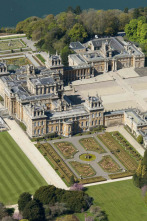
13	11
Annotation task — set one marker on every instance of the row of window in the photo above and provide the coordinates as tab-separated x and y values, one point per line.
96	115
39	123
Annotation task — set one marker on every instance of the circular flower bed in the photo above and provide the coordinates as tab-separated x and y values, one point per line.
87	157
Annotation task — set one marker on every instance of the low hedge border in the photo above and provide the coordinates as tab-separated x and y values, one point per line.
92	180
121	175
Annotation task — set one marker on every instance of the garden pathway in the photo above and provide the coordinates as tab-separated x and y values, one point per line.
44	168
75	141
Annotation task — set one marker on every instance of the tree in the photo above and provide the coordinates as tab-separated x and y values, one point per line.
140	139
3	211
34	211
46	194
77	33
136	13
78	10
64	55
72	180
126	10
145	158
70	9
23	200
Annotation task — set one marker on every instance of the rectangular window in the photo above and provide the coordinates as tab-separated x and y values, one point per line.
92	123
35	124
92	115
99	114
56	128
82	124
38	123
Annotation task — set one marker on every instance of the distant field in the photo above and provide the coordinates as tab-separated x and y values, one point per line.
11	44
17	174
122	201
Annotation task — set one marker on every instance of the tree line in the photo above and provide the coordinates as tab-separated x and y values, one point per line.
55	32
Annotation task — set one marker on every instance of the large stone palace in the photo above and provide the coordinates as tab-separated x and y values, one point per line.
100	55
35	96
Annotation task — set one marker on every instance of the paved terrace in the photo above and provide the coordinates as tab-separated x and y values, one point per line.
119	90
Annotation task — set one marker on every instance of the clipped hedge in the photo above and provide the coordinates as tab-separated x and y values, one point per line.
92	180
57	162
121	175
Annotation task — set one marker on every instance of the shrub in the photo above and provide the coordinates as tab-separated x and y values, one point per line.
24	198
140	139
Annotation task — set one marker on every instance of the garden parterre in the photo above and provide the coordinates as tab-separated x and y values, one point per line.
109	165
11	44
91	144
83	169
66	149
117	149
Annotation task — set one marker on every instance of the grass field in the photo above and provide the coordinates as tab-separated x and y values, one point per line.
17	174
121	200
11	44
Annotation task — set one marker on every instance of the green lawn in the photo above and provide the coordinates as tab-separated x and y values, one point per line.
17	174
11	44
122	201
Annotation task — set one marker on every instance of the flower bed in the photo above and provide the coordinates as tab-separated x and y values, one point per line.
116	149
56	161
124	143
85	170
91	144
109	165
66	149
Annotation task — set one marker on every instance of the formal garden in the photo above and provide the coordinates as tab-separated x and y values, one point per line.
84	170
11	44
109	165
106	156
67	149
91	144
20	61
128	159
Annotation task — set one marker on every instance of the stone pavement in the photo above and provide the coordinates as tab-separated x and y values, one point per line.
44	168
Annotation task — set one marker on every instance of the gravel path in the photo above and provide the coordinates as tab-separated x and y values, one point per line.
44	168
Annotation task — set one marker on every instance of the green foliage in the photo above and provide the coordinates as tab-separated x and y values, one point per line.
72	180
140	177
64	55
78	33
140	139
46	194
145	158
34	211
3	211
24	198
73	200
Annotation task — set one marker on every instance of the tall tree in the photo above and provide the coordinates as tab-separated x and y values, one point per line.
24	198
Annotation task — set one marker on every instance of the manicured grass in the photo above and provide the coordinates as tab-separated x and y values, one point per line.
18	61
121	200
39	56
87	157
17	174
11	44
